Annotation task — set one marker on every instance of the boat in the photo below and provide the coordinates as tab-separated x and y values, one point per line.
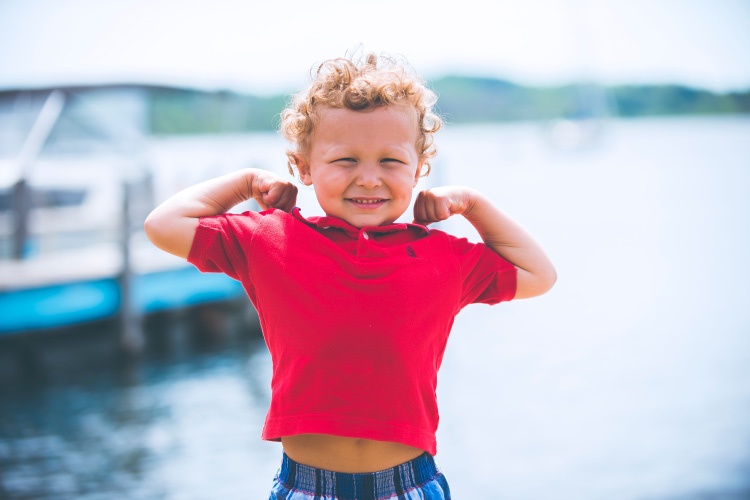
73	197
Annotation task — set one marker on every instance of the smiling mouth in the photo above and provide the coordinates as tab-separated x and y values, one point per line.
367	200
366	203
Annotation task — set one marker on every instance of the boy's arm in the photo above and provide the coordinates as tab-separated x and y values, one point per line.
536	274
172	225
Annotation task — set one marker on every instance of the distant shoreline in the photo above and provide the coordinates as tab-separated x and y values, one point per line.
462	99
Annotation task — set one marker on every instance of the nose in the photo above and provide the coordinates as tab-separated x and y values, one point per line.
369	175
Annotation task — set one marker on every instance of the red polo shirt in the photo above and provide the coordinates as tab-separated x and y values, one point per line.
356	320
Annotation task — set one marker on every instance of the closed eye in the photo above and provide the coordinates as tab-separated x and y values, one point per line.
350	160
392	160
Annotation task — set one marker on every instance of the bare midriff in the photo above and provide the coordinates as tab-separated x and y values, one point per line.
343	454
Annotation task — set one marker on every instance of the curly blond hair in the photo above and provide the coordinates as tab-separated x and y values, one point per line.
359	84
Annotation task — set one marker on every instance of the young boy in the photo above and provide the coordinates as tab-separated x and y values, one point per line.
355	308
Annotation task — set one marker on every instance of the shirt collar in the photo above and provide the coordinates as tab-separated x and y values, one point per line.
335	222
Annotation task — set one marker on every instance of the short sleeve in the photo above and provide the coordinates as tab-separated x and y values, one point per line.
487	277
222	243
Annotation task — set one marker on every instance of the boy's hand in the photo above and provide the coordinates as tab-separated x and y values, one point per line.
434	205
271	191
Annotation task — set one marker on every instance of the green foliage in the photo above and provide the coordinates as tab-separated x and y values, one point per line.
181	111
469	99
464	99
461	100
671	100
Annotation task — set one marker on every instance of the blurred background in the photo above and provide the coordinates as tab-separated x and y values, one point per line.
617	132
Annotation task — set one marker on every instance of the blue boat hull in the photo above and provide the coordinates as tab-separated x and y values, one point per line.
73	303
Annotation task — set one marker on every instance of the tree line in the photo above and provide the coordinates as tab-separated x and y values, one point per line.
461	100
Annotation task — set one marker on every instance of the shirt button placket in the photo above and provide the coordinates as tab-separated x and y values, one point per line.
362	247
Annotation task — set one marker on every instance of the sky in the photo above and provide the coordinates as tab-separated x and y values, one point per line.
269	47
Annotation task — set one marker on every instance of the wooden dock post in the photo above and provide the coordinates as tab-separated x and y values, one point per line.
29	153
21	207
131	328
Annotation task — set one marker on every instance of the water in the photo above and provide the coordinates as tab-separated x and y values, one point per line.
629	380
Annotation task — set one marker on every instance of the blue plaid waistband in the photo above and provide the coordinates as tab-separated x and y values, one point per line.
389	483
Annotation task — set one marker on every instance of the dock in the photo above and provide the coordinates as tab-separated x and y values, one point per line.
73	198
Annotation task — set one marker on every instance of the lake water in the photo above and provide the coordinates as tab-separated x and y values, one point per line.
630	380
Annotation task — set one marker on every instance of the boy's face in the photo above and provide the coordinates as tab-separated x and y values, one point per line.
363	164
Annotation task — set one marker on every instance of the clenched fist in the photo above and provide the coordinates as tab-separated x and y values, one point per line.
271	191
434	205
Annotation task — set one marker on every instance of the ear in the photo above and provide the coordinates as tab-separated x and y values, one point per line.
419	172
303	167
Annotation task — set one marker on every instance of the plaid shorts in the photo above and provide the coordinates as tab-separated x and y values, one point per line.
419	479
